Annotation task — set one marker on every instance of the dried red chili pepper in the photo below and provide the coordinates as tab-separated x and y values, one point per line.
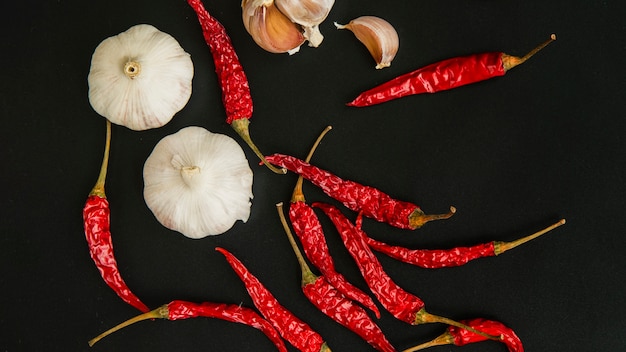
444	75
371	201
400	303
236	96
178	310
441	258
332	302
290	327
97	222
462	337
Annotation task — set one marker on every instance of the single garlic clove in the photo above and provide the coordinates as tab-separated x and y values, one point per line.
140	78
379	37
270	28
309	14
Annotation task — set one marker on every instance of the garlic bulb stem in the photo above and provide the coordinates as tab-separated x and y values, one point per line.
132	69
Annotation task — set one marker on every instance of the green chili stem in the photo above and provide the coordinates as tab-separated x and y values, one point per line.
241	127
423	317
501	247
298	195
511	61
307	275
160	313
98	189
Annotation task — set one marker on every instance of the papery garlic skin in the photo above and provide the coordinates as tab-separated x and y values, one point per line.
198	183
309	14
140	78
379	37
270	28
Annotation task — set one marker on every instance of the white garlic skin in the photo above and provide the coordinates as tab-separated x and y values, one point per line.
309	14
159	87
379	37
198	183
269	28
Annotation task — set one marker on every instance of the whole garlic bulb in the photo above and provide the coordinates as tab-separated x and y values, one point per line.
198	183
309	14
140	78
379	37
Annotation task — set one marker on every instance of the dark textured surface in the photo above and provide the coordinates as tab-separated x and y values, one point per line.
513	155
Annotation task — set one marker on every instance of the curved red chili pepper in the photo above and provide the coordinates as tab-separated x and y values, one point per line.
371	201
444	75
96	222
236	96
290	327
461	337
178	310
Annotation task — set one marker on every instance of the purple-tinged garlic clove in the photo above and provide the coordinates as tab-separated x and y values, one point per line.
270	28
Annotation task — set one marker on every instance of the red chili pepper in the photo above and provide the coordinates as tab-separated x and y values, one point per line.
400	303
178	310
462	337
97	221
372	202
332	302
290	327
441	258
236	96
444	75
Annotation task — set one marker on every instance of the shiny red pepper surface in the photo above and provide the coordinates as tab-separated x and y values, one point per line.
463	337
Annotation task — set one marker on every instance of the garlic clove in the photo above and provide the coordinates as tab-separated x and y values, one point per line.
198	183
379	37
270	28
309	14
140	78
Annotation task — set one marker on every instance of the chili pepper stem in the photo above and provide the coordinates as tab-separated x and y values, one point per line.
298	195
98	189
423	317
307	275
501	247
443	339
159	313
417	218
511	61
241	127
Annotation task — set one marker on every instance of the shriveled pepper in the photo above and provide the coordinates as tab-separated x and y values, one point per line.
290	327
178	310
370	201
332	302
444	75
236	96
97	225
441	258
461	337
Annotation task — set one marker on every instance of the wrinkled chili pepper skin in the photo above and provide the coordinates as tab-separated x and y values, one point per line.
309	230
372	202
439	76
463	337
342	310
433	258
178	310
97	220
290	327
236	96
400	303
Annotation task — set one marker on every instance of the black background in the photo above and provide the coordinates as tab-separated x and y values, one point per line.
513	154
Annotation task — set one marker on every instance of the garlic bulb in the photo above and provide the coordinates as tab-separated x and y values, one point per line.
378	36
309	14
270	28
140	78
198	183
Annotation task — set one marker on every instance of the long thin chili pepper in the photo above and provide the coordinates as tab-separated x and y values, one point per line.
371	201
309	230
332	302
447	74
401	304
462	337
178	310
236	96
290	327
441	258
97	222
